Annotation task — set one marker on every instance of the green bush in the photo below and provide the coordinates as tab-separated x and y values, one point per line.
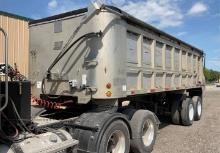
211	75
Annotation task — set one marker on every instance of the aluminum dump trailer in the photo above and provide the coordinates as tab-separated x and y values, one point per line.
131	56
100	78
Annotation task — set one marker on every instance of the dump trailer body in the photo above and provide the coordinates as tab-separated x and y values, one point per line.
130	58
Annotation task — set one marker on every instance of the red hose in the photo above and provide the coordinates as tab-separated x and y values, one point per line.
47	104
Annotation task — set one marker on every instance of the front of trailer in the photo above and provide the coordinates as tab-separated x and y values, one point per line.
72	63
78	73
91	68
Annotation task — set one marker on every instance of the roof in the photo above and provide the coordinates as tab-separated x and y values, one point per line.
129	18
15	16
63	15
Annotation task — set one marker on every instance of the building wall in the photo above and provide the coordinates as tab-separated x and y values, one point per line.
18	35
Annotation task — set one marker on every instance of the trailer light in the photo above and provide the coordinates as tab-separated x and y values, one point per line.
132	92
152	90
108	94
108	86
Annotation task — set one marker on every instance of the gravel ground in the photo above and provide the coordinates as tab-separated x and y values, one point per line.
202	137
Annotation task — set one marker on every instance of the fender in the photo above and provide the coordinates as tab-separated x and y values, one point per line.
89	140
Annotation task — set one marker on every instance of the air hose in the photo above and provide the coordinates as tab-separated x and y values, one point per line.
86	36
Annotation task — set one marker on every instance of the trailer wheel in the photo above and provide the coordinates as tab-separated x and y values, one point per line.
116	138
187	112
175	113
101	132
129	113
144	130
198	108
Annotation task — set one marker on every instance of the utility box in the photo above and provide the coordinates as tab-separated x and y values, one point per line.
20	96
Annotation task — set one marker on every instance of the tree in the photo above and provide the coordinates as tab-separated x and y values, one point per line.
211	75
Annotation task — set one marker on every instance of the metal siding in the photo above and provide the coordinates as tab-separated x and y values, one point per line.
184	63
147	79
177	81
132	81
194	80
123	55
132	40
158	54
168	81
18	35
189	62
168	57
176	59
184	81
194	63
159	81
147	43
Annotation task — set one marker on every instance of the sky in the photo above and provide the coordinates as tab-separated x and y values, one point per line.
196	22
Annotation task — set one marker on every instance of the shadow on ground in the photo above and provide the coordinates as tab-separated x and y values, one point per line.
164	121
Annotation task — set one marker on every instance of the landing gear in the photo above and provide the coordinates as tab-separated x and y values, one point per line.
175	112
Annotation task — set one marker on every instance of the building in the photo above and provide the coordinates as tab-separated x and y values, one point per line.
18	35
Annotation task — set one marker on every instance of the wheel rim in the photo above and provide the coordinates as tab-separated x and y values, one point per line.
191	112
148	133
199	108
116	143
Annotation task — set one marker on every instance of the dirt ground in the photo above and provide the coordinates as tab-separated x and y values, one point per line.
202	137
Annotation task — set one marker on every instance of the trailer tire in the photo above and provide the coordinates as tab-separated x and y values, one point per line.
116	138
187	112
94	129
198	108
144	130
175	113
129	112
